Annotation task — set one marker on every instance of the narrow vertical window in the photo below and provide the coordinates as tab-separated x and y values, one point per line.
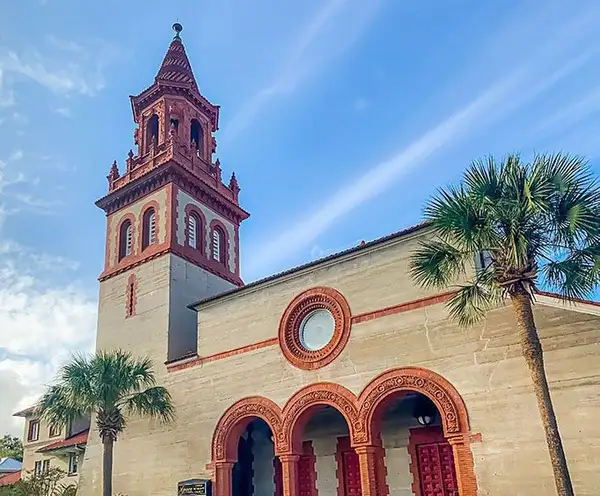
45	466
34	430
148	228
130	296
38	468
125	239
152	132
216	244
192	231
73	463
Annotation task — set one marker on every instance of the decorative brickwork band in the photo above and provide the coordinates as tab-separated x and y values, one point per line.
452	409
299	408
289	471
235	420
361	415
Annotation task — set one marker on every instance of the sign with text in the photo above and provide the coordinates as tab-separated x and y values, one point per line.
194	487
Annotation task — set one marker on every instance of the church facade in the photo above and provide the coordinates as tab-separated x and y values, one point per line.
340	377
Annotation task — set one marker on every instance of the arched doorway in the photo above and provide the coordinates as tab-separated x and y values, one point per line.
327	441
427	410
243	447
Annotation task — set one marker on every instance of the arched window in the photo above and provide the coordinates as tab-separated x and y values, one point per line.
149	228
194	237
196	135
125	239
152	131
218	245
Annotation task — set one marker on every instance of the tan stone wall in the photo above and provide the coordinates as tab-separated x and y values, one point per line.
483	363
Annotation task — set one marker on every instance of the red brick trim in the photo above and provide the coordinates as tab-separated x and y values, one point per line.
226	245
134	232
289	327
287	426
402	307
191	209
148	205
172	367
235	420
299	408
131	296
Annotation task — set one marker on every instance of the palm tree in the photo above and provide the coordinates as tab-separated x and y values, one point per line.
528	223
111	386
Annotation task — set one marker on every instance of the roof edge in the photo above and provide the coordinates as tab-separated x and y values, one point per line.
313	264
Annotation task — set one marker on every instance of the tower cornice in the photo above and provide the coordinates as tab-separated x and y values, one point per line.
171	172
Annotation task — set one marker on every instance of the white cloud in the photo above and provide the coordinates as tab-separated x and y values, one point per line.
64	111
15	156
534	74
302	62
41	325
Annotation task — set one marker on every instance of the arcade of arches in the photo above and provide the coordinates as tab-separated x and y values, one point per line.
406	433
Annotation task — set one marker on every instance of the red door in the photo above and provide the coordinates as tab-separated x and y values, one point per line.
435	462
349	481
306	472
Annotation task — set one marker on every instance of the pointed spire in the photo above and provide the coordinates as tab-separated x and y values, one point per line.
176	67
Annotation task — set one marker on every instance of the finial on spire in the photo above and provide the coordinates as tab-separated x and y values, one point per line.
178	28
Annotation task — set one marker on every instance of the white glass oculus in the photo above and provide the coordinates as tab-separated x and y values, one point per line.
316	330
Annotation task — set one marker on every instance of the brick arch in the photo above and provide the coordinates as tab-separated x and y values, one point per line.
234	421
226	241
444	395
298	408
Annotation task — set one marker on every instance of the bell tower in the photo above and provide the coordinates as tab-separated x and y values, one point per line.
172	223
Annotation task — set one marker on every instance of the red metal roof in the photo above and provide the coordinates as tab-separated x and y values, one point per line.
9	479
80	438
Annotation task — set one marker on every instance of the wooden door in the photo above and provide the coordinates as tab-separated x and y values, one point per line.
435	462
306	472
348	469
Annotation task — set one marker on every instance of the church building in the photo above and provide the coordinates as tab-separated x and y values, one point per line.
340	377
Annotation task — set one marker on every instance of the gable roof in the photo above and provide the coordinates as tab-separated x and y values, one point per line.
10	479
9	465
76	440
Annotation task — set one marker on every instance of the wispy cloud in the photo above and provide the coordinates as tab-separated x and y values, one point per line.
64	111
535	74
15	156
301	62
40	204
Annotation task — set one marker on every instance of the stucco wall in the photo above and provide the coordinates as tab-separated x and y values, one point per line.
483	363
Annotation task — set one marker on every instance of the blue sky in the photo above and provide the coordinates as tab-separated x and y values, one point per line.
339	117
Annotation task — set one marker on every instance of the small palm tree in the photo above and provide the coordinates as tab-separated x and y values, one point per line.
527	222
111	386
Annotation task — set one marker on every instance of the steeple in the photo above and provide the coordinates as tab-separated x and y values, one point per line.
174	165
176	67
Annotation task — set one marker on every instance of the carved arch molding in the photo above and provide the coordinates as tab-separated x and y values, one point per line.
359	412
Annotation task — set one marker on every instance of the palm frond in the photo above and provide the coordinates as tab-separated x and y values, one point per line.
437	263
472	301
154	402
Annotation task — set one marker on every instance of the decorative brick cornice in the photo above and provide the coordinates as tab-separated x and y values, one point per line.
171	172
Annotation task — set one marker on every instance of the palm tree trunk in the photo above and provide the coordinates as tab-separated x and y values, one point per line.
534	357
107	465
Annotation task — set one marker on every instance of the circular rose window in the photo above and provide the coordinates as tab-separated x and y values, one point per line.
315	328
